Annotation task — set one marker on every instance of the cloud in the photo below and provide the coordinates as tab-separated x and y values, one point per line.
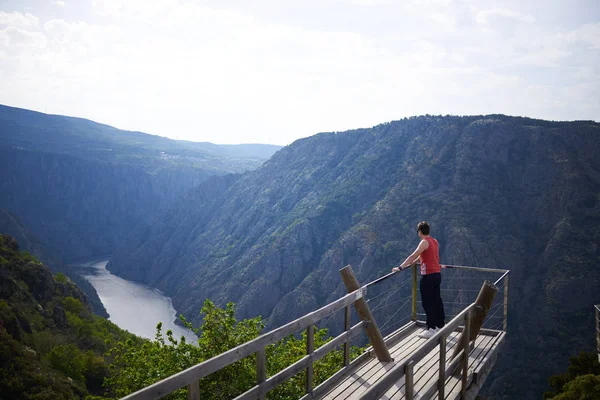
588	34
444	21
15	37
108	8
369	3
136	9
59	3
18	20
488	16
201	73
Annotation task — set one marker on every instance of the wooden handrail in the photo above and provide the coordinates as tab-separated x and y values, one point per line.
193	374
301	364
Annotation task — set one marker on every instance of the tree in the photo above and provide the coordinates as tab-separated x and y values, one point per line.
136	366
584	387
581	376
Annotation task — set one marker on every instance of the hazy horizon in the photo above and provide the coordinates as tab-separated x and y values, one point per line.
271	72
275	144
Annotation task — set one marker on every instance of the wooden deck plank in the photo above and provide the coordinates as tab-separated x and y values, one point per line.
374	369
401	346
482	371
454	381
406	353
421	368
398	350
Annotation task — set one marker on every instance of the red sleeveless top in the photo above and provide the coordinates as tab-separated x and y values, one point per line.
430	258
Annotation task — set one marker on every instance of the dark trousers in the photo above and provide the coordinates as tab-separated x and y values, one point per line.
432	300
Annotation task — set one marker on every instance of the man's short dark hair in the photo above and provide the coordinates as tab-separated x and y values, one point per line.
423	227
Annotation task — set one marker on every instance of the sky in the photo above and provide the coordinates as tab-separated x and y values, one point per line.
273	71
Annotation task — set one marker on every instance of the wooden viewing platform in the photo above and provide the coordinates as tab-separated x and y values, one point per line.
452	364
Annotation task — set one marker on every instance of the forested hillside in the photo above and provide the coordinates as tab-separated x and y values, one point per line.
499	192
12	226
51	345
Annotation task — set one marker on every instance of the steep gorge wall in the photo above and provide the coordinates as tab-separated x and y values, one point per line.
500	192
81	208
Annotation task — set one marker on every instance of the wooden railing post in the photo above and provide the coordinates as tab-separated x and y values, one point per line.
414	292
310	347
483	303
442	367
598	331
409	390
465	346
505	324
193	391
362	308
261	369
347	320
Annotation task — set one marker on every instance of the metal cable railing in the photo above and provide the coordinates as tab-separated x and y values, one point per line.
389	296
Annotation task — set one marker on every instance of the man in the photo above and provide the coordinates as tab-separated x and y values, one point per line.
431	278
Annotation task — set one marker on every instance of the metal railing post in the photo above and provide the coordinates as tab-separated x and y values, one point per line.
414	292
505	324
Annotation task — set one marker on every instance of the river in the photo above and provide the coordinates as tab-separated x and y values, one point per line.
132	306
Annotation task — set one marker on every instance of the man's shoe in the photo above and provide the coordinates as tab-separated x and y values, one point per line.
428	333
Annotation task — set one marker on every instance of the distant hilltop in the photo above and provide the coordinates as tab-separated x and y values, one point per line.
80	186
29	130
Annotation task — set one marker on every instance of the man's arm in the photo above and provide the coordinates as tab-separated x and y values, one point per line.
424	245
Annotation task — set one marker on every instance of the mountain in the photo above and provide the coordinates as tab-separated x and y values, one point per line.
51	345
499	191
81	186
11	225
30	130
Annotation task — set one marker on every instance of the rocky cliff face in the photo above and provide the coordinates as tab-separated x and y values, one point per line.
499	191
84	208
